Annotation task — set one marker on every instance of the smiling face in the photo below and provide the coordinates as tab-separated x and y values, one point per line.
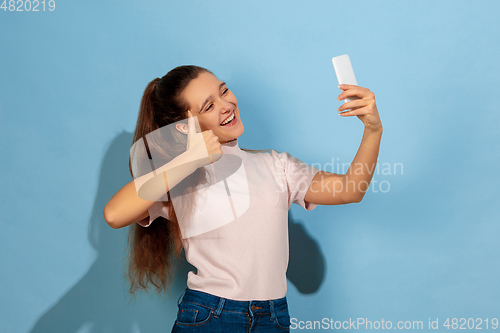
212	102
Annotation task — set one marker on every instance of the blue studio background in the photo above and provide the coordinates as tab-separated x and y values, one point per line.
423	243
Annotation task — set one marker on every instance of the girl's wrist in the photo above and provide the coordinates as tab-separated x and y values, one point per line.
375	130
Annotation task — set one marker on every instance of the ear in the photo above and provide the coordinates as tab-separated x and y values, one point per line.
183	128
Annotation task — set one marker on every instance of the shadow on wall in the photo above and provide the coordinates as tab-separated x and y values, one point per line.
306	266
100	301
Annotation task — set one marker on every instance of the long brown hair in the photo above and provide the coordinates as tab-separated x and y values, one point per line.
155	251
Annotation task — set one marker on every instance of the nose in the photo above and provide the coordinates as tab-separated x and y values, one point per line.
226	107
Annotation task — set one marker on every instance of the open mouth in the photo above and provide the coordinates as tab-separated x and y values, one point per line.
229	120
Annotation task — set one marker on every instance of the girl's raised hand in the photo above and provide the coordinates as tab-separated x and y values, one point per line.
201	143
364	108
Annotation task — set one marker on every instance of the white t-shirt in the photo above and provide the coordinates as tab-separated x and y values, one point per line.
239	242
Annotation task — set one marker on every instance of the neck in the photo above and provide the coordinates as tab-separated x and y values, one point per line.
233	142
231	147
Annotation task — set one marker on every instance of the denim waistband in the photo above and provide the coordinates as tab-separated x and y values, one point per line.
219	304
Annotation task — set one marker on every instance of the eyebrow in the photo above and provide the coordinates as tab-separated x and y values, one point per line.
211	96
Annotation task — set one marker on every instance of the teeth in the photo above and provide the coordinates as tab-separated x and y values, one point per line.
228	120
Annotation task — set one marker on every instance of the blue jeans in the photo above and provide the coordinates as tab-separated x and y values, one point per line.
203	312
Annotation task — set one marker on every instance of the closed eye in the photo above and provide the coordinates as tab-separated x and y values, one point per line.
223	93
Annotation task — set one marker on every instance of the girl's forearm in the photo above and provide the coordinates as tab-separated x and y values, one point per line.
358	177
128	206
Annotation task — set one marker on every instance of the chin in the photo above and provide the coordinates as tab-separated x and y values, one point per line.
237	132
236	136
240	131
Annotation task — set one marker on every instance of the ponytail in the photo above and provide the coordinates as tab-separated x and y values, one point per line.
154	251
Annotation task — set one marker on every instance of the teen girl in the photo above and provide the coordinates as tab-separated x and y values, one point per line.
237	238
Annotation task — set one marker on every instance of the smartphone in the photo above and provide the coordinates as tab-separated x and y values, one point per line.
345	73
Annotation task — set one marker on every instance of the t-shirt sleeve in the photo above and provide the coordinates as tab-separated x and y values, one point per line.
155	211
298	177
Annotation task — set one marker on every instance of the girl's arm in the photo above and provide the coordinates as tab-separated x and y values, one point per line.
127	207
329	188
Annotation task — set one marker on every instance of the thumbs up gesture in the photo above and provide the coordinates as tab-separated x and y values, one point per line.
199	144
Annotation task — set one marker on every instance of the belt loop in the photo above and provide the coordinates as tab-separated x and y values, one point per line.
273	314
182	295
221	305
250	308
